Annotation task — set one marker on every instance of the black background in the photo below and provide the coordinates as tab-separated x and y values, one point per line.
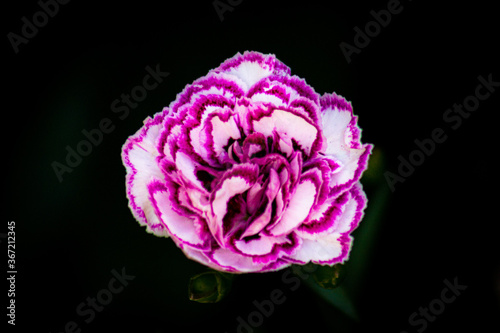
440	223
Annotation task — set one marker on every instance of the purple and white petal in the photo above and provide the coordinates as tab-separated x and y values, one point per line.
334	247
189	231
327	250
251	67
233	262
225	85
139	157
324	220
342	142
288	124
350	170
265	249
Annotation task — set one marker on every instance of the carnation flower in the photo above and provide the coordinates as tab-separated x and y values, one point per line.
250	170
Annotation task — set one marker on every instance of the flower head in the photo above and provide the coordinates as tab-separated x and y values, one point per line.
250	170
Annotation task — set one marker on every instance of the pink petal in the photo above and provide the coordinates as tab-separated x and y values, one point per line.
264	218
254	197
235	181
253	144
295	168
298	208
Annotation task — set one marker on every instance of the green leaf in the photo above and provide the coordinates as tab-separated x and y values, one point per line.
329	277
209	287
336	297
365	238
